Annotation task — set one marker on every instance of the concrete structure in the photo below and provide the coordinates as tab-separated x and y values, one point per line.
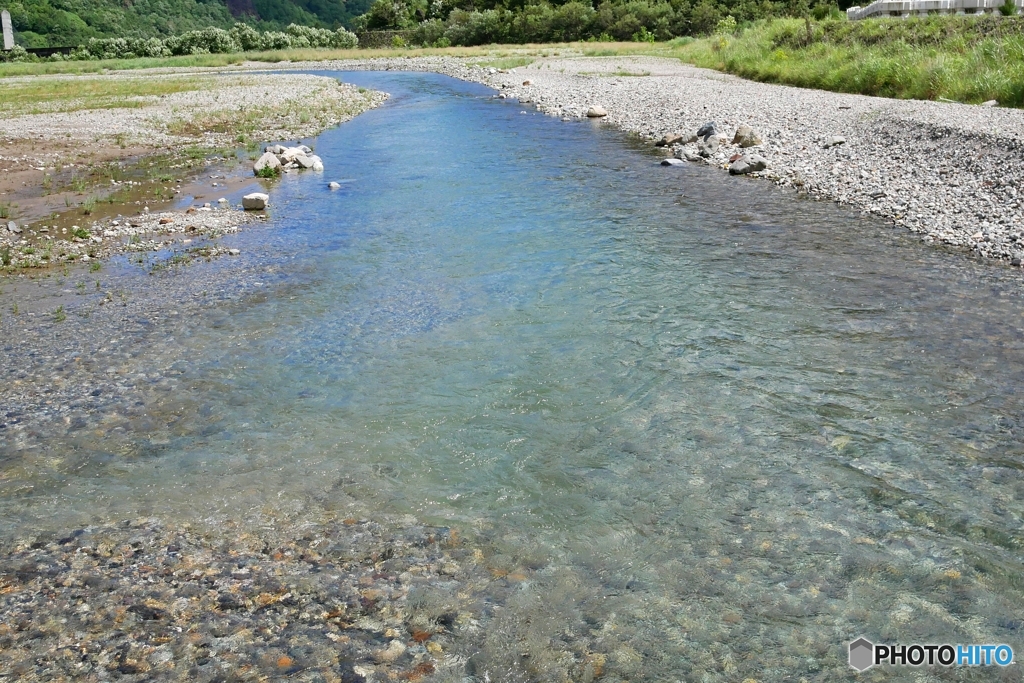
910	8
5	19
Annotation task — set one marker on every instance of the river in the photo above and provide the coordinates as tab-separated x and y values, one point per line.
721	426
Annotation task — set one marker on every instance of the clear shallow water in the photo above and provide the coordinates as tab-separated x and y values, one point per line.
720	431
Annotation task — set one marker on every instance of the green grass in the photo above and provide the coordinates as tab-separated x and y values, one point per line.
967	59
97	92
8	69
323	106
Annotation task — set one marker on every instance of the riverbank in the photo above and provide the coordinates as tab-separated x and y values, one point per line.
79	168
948	172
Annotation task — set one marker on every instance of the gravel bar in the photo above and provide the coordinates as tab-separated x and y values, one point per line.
949	172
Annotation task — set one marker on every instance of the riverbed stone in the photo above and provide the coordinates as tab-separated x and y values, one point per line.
257	201
333	185
708	146
746	136
670	139
596	112
707	130
671	162
750	163
268	160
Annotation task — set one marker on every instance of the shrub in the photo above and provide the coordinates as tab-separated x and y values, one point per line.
308	36
121	48
643	36
246	37
388	15
204	41
727	26
345	40
268	172
16	54
430	32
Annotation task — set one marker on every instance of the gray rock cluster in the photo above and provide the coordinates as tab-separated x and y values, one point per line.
711	147
281	157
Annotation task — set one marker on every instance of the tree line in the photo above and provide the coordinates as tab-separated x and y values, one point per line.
479	22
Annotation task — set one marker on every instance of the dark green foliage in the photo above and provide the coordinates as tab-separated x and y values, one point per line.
240	38
539	21
42	23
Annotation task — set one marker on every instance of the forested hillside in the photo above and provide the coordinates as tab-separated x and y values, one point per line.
41	23
476	22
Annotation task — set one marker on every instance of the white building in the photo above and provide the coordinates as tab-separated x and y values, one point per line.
910	8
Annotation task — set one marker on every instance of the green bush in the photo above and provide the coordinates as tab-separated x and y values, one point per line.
268	172
203	41
430	33
241	37
122	48
308	36
17	54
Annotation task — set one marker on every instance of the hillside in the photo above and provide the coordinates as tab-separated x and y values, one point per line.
42	23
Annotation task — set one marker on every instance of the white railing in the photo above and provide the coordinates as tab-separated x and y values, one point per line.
910	8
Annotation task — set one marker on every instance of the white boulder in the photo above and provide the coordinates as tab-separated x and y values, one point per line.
257	201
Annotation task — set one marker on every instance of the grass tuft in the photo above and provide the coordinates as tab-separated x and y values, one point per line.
968	59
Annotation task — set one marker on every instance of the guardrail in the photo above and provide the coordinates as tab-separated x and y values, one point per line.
47	51
910	8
